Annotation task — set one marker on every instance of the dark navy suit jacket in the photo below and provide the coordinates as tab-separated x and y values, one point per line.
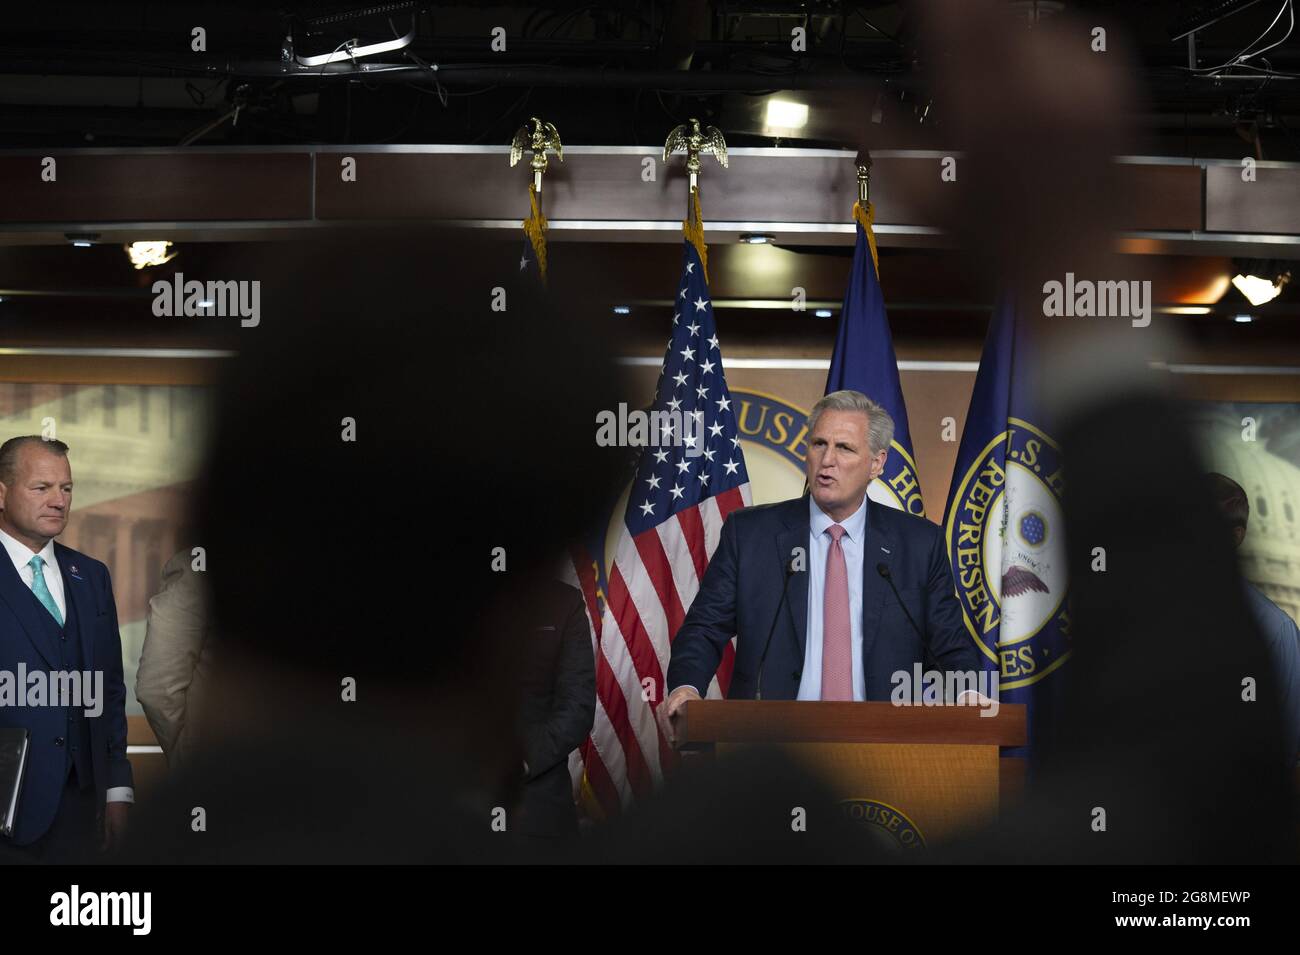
741	592
28	634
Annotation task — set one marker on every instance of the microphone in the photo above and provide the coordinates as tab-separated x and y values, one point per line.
762	661
883	570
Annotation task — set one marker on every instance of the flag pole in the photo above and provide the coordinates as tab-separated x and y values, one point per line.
543	138
863	162
863	212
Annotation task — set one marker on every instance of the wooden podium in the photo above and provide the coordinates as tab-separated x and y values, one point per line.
919	771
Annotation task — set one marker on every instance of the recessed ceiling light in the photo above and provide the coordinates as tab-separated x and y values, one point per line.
784	114
1243	319
756	238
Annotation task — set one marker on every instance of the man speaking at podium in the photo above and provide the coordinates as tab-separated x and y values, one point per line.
829	594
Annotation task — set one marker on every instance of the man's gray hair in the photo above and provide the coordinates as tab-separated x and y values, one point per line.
880	426
9	454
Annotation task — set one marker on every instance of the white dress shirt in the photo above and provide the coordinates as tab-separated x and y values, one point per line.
819	545
21	555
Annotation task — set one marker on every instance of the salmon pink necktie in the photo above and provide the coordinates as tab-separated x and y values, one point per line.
837	642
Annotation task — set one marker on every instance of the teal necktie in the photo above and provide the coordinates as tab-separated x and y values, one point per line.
41	591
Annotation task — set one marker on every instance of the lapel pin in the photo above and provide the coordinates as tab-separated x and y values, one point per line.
885	550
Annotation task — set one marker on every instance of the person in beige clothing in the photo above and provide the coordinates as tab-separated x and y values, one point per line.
175	661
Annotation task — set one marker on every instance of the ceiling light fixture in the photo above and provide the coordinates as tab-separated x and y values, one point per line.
145	255
1259	289
785	114
353	50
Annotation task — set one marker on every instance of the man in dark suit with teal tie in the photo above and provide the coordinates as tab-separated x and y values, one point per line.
58	625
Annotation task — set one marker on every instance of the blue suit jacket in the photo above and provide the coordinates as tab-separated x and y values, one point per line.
24	637
741	591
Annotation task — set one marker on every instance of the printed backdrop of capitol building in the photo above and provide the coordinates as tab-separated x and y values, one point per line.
1258	446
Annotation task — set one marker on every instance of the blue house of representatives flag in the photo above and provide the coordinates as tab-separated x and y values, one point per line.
864	361
1004	528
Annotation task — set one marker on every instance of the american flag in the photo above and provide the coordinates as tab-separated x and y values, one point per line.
682	492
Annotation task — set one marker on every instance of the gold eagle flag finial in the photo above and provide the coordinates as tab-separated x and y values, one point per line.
694	141
543	138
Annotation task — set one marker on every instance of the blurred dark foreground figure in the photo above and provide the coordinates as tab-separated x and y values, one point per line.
1164	755
396	472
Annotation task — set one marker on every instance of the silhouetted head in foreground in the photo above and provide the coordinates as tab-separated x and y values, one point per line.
396	464
1163	755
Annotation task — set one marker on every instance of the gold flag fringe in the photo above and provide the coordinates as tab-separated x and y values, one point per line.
865	217
535	229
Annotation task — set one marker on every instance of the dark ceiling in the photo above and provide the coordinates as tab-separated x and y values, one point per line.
125	74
